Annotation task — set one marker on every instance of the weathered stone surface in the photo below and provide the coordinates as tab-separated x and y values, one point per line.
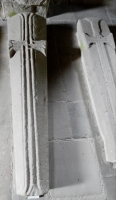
110	184
5	163
27	49
74	170
58	121
79	119
99	62
29	2
11	8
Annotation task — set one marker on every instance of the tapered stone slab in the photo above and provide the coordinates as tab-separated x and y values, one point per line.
99	65
28	71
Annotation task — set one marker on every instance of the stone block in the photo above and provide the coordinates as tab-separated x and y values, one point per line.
28	70
5	101
5	160
111	11
79	120
58	121
4	61
110	184
72	78
74	170
99	61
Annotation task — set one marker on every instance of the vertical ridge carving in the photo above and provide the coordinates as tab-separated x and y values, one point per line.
32	138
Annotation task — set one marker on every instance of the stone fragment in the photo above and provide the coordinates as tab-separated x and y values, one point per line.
99	66
28	70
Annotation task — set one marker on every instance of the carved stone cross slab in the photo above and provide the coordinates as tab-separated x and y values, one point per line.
99	62
28	70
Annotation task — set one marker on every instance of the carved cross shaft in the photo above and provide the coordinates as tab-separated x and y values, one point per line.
100	42
27	49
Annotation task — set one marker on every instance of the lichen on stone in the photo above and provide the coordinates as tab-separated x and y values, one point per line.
11	14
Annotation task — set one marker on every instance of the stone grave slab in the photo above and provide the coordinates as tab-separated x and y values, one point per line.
99	66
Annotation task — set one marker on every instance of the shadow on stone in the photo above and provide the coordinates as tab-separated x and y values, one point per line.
62	51
55	86
55	10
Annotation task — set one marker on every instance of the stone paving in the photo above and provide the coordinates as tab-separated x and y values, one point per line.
78	169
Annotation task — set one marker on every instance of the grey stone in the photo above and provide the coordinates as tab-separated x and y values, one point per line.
55	86
99	59
28	2
95	198
28	70
79	120
114	21
5	163
71	70
4	61
110	184
5	101
105	167
32	2
74	170
58	121
110	2
11	8
111	11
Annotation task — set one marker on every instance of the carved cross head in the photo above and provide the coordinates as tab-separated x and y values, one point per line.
94	33
28	25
